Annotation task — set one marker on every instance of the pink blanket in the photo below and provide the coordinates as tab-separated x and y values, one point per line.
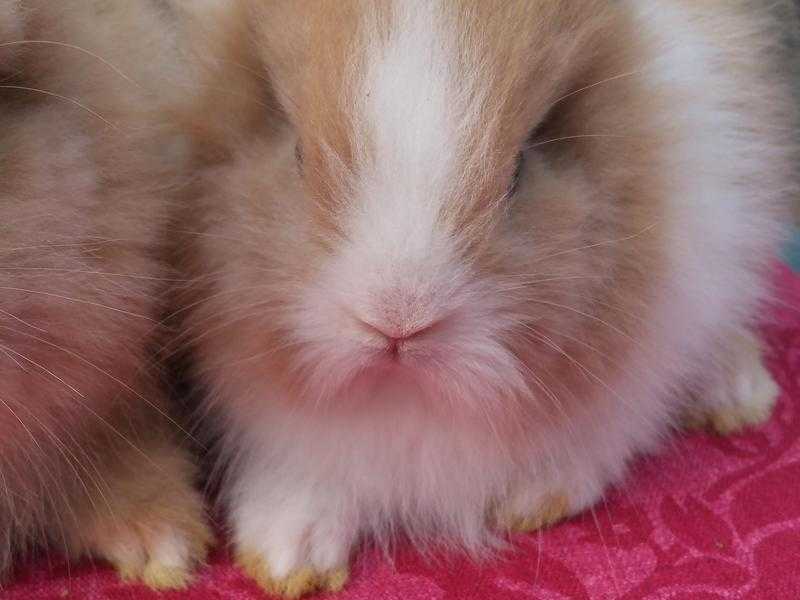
709	519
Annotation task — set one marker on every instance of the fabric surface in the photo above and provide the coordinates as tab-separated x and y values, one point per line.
710	518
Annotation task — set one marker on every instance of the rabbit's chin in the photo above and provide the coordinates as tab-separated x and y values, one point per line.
479	379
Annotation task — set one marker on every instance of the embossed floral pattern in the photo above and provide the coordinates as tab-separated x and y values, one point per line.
710	518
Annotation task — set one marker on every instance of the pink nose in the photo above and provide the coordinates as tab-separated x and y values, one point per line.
395	339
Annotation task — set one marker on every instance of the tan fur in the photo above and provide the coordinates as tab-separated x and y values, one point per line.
584	257
745	380
495	43
550	511
88	451
146	497
298	584
622	206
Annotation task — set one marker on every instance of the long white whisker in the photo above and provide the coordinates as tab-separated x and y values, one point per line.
575	137
605	550
101	273
60	97
593	85
585	314
599	244
77	300
22	321
113	378
74	47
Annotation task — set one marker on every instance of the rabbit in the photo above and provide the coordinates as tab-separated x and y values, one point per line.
91	460
10	30
450	265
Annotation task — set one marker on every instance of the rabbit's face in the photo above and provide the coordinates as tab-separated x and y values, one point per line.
478	226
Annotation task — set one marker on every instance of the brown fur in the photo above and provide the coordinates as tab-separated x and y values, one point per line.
528	78
88	450
582	261
557	64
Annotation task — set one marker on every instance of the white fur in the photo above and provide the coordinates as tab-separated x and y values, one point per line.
171	550
308	482
400	268
336	476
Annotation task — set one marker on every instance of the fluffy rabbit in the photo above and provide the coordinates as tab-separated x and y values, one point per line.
455	263
89	456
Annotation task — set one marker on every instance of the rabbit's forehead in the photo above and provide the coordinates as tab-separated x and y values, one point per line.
420	93
413	89
319	54
418	108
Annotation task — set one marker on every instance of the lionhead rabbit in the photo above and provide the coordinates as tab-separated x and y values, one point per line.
88	456
455	263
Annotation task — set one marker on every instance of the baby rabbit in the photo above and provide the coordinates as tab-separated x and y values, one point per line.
456	262
89	459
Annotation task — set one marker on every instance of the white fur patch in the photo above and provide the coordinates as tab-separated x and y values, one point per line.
415	121
386	459
401	270
728	175
290	524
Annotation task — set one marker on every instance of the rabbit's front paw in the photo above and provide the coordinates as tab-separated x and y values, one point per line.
291	544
